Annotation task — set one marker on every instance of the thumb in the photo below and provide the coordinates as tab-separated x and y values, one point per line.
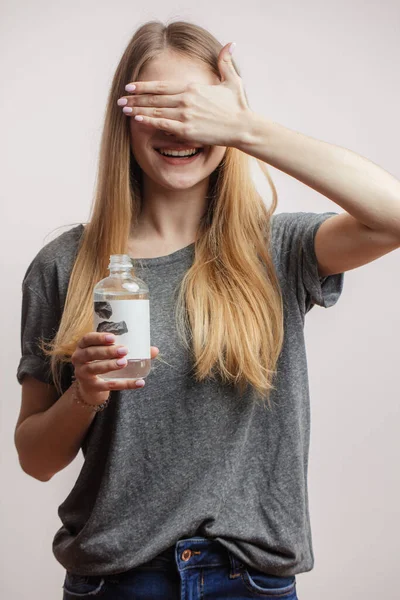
225	64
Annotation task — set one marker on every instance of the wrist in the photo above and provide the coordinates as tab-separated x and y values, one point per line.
246	129
94	402
255	134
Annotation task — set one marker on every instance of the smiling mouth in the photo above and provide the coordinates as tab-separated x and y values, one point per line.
198	151
179	160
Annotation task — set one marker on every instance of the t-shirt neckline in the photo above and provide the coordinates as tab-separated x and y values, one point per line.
178	255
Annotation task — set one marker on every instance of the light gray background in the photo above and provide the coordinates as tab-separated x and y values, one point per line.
329	70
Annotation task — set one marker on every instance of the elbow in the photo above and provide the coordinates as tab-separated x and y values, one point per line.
27	466
38	476
42	477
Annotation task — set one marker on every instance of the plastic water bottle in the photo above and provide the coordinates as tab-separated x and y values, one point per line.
122	307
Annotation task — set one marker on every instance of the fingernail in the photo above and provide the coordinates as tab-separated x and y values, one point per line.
127	109
232	47
130	87
140	383
121	361
122	101
122	350
110	338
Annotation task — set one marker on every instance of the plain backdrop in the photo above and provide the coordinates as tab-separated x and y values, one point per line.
328	70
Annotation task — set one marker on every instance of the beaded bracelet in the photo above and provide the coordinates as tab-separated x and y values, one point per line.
79	400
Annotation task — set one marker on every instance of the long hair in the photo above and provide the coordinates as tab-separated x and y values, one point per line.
229	304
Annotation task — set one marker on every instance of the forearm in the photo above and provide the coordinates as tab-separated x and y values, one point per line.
363	189
49	441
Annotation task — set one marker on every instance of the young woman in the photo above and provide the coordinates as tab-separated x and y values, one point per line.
196	485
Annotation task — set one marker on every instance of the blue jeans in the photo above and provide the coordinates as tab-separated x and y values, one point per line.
194	568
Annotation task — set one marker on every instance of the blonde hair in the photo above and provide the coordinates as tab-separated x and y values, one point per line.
229	302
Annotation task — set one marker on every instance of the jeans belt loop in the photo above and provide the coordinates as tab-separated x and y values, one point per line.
236	566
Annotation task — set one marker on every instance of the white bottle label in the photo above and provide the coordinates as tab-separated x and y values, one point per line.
129	321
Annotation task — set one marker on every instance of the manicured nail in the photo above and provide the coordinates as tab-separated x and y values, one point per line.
140	383
127	109
122	350
130	87
121	361
110	338
122	101
232	47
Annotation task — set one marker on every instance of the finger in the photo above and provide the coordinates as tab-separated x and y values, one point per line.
155	87
176	127
95	367
152	100
84	355
154	351
90	353
97	385
99	349
172	114
225	64
94	338
125	384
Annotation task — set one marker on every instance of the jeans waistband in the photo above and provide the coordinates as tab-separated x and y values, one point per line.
195	552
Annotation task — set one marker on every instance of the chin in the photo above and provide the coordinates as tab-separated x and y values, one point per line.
178	183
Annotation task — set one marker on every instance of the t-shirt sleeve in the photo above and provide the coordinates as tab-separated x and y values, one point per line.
297	237
39	320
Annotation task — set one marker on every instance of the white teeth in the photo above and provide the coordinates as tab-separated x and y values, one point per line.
180	153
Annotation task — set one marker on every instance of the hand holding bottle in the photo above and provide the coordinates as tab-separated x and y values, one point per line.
95	354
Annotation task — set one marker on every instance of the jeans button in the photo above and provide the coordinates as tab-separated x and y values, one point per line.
186	554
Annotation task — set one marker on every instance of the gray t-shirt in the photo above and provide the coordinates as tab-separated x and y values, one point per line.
179	458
